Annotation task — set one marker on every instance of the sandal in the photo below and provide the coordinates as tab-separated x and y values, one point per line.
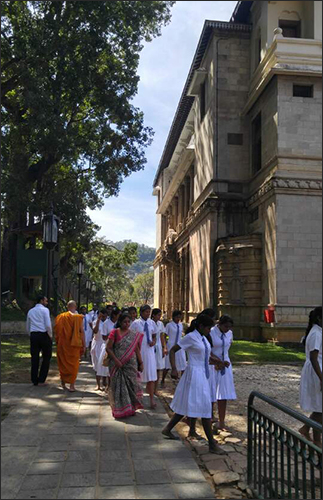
169	435
196	436
216	450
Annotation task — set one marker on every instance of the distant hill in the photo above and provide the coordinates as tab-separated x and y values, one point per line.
146	256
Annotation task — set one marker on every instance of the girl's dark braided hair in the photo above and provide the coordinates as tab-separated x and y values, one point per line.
313	318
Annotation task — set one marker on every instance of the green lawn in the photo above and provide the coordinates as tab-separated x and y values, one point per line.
256	352
15	359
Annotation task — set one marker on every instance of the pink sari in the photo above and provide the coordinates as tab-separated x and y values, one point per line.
125	393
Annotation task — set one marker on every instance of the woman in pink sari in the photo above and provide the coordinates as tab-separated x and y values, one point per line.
125	361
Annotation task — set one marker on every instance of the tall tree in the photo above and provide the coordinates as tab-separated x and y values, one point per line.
69	74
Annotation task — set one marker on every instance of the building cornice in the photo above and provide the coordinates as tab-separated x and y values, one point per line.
287	56
281	185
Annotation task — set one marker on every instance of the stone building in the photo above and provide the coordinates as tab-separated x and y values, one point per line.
239	182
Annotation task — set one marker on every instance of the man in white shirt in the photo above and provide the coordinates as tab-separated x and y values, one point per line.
39	327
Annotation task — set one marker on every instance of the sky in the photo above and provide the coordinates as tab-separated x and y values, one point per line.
163	70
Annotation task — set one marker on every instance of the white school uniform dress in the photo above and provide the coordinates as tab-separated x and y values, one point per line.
149	373
174	332
98	345
222	385
91	317
107	327
310	386
160	360
193	395
87	329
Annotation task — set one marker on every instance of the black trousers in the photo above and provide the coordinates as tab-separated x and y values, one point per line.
40	342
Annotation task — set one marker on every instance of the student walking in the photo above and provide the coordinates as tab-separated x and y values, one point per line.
193	395
148	327
221	380
39	328
91	319
160	348
100	337
311	377
174	331
132	310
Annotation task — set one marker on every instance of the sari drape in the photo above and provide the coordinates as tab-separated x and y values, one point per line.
125	392
67	334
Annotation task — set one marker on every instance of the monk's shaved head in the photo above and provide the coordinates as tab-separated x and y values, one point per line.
71	305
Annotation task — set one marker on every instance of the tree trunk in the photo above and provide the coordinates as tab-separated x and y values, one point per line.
9	262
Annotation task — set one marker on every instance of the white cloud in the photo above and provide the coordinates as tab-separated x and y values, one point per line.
127	218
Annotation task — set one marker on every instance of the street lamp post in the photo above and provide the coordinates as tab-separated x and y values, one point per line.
80	272
104	299
50	239
93	290
88	288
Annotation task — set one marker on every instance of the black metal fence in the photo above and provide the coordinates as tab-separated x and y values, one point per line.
281	462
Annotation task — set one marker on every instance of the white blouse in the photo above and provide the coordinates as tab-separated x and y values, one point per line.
219	349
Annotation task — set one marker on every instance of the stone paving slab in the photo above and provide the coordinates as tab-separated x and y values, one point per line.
62	445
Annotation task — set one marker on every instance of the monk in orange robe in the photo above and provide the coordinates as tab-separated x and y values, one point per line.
70	341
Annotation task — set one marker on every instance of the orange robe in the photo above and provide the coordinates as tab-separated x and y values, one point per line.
68	329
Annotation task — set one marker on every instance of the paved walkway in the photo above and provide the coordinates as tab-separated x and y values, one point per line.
57	444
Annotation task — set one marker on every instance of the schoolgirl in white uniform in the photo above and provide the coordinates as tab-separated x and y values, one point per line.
311	377
91	318
107	327
193	395
98	342
132	310
147	326
174	331
221	380
160	348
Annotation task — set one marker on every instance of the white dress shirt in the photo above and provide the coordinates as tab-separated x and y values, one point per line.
38	320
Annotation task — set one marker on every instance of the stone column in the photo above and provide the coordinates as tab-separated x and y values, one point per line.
163	229
181	280
192	186
187	195
176	213
185	200
187	301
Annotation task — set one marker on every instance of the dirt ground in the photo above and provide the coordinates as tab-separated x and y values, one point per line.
280	382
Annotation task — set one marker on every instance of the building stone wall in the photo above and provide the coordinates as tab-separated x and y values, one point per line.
233	86
239	283
299	252
269	237
204	131
299	118
230	237
267	105
200	270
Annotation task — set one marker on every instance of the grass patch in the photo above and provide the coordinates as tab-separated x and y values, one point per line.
258	352
15	359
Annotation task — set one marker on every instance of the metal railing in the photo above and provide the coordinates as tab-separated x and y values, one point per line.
281	462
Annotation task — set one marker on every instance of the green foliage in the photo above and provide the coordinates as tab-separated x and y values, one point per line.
146	256
139	290
256	352
107	266
70	131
